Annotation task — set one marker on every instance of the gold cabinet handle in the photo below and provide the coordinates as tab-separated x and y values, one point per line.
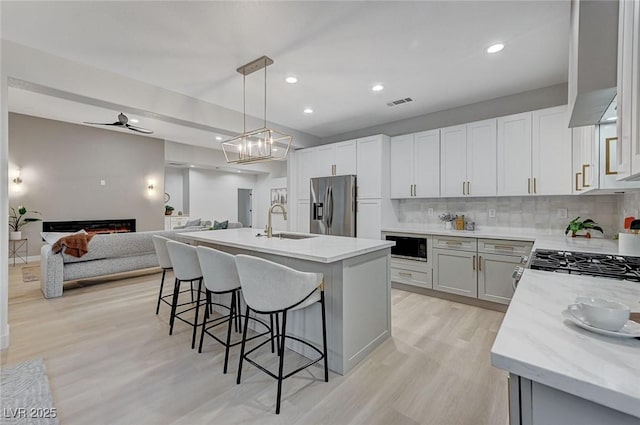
414	190
473	263
453	243
504	247
480	263
578	182
584	175
528	185
535	190
405	274
468	188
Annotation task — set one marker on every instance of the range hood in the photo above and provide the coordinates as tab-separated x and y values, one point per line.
593	59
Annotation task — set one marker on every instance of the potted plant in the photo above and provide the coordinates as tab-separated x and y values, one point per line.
576	225
447	218
18	219
168	210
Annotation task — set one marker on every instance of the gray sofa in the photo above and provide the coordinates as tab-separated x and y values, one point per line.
108	254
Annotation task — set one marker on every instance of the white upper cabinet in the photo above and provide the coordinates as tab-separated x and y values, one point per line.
453	161
468	159
372	155
415	165
345	158
514	155
401	166
481	158
323	163
585	166
628	91
427	164
534	153
551	152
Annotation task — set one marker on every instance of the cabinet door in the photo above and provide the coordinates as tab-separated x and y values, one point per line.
427	164
576	160
369	219
304	159
453	161
322	161
369	167
494	277
584	168
481	158
551	152
455	272
303	216
401	166
345	157
514	155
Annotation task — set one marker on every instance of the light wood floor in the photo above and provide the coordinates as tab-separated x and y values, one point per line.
110	360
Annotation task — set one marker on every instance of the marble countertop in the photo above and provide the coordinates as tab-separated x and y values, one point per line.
535	342
319	248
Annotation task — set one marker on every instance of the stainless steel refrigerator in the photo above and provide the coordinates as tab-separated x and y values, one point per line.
333	205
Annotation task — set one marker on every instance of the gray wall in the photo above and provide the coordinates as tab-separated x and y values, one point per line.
522	102
62	165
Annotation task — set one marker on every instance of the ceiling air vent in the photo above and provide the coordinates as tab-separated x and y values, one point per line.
400	101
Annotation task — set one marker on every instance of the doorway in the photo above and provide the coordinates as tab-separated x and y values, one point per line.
245	206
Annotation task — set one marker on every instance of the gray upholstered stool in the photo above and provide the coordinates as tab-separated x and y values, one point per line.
160	244
186	268
271	288
221	277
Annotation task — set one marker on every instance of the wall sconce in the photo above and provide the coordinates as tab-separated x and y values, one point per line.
17	179
150	187
151	184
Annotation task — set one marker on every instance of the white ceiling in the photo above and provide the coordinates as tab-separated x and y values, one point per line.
432	51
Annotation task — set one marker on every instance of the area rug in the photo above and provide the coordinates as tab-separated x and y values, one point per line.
26	395
30	274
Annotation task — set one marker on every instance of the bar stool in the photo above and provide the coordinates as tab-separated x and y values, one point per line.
221	277
160	244
271	288
186	268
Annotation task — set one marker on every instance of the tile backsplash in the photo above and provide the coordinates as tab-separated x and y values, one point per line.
629	205
537	213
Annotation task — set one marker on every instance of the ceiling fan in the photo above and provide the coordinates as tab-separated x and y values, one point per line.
123	122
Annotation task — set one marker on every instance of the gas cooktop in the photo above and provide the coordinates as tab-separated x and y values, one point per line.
584	263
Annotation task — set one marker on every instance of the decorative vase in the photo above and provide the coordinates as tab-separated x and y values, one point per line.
447	225
15	236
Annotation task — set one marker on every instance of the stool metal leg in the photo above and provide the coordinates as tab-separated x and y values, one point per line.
272	332
195	319
324	338
281	367
174	303
232	311
164	272
244	340
204	324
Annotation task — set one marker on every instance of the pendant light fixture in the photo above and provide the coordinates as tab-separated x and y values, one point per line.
263	144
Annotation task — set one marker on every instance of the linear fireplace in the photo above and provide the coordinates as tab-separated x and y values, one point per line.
91	226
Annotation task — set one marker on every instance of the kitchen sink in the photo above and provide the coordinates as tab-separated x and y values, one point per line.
291	236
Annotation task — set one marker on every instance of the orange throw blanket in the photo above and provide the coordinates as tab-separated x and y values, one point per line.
74	245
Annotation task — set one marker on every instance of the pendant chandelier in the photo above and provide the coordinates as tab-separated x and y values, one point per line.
263	144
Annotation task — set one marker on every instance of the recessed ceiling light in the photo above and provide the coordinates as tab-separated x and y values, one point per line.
308	111
612	119
239	171
134	120
291	80
377	87
275	149
495	48
218	138
192	166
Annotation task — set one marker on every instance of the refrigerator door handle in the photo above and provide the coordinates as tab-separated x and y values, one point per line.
330	218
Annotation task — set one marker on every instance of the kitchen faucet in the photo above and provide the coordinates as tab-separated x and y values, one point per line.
284	213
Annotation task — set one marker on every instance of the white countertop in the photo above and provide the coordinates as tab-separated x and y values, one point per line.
535	342
319	248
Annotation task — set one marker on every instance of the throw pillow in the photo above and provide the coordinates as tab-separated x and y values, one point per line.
219	225
192	223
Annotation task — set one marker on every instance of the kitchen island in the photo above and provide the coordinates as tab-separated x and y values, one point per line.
357	286
560	373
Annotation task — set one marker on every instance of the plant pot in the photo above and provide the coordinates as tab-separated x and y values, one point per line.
167	212
15	236
447	225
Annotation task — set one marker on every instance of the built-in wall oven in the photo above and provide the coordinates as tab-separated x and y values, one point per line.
407	247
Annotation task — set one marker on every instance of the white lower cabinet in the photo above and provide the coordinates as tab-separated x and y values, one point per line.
455	272
494	277
409	272
369	219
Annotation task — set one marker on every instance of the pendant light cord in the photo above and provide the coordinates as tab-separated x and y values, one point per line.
244	103
265	94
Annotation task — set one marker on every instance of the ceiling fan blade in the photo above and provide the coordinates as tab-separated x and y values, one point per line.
103	123
138	129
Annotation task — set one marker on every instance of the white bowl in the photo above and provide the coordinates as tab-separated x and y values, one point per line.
602	313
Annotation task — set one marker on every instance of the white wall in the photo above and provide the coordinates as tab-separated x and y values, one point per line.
213	195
